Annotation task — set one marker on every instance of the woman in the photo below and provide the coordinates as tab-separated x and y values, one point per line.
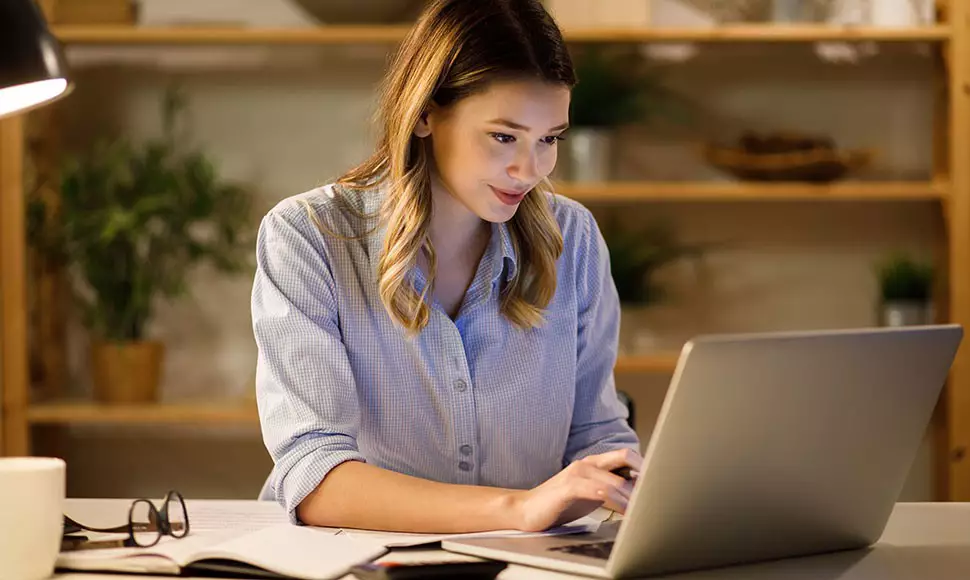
437	331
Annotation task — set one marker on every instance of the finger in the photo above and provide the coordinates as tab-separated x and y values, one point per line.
627	488
617	503
611	479
615	459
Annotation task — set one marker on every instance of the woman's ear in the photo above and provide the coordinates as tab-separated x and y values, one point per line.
423	128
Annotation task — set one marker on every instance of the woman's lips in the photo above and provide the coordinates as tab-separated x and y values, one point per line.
509	197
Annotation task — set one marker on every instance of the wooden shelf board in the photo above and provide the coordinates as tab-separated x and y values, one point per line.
655	363
363	34
148	413
760	33
631	191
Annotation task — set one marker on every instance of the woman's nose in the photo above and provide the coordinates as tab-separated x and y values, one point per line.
524	167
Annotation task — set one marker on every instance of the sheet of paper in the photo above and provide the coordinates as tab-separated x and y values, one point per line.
588	523
210	515
296	551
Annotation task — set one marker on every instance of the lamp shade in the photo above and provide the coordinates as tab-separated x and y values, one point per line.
32	65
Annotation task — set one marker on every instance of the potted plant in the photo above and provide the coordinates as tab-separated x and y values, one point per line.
131	222
636	256
905	290
612	89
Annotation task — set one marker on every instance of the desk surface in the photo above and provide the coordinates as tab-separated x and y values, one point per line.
923	541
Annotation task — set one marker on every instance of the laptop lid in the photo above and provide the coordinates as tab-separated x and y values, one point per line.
782	444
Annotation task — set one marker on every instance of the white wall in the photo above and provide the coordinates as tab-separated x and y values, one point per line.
302	119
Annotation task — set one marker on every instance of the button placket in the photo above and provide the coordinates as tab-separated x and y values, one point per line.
465	427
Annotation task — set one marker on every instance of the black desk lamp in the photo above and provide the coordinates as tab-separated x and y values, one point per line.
32	65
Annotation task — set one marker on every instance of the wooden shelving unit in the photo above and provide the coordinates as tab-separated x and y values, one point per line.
950	187
663	363
391	34
88	413
632	192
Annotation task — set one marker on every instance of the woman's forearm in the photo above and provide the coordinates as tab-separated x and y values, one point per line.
358	495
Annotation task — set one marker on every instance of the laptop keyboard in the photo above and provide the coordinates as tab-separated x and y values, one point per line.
599	550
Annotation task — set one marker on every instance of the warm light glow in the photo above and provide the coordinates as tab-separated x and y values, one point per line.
20	97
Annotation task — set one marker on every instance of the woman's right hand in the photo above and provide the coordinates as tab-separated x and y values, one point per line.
577	490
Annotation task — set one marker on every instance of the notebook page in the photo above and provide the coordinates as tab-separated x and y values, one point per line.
298	551
207	515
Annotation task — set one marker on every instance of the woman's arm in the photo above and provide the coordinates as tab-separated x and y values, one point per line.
358	495
599	422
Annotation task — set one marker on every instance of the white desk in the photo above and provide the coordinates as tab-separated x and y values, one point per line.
923	541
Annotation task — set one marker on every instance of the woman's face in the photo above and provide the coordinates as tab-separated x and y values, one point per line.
492	148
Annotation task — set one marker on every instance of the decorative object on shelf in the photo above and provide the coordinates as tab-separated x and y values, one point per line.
115	12
132	221
362	11
675	14
601	13
905	291
786	156
636	256
876	13
264	13
613	89
798	11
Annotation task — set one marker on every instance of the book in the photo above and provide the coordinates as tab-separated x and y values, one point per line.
276	551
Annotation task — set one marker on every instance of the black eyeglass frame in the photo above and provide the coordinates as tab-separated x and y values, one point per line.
158	520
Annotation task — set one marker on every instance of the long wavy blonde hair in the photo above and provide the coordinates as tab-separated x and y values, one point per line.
456	48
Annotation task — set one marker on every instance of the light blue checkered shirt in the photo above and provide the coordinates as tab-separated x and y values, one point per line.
473	400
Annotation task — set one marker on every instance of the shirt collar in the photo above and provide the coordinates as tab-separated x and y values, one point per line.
504	258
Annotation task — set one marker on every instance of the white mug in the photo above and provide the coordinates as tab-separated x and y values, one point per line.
31	516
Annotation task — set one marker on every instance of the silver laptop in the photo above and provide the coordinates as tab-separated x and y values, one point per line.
767	446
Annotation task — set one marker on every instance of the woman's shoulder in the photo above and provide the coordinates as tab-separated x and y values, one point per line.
332	208
575	220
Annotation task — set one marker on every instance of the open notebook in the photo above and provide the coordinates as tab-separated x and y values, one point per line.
254	539
278	551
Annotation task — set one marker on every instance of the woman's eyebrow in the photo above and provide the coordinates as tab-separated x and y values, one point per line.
518	127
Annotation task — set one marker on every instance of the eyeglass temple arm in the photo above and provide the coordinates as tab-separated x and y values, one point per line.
117	529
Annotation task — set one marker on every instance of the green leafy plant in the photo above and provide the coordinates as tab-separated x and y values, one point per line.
637	255
134	219
614	89
902	278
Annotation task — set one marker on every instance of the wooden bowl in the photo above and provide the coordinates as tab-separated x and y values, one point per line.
818	165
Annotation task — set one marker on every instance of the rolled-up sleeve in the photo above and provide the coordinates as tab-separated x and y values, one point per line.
599	421
305	390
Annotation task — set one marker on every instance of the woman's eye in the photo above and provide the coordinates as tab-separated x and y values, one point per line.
552	139
502	137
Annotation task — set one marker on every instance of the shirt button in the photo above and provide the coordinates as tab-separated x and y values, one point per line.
465	466
465	449
461	385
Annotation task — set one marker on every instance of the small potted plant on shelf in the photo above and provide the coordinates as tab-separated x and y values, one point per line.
132	221
636	257
612	89
905	291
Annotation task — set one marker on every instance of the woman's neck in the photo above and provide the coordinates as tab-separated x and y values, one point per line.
456	232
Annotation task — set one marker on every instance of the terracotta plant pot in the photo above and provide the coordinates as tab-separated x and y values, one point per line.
126	372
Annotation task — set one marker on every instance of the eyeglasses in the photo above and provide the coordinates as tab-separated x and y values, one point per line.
146	524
